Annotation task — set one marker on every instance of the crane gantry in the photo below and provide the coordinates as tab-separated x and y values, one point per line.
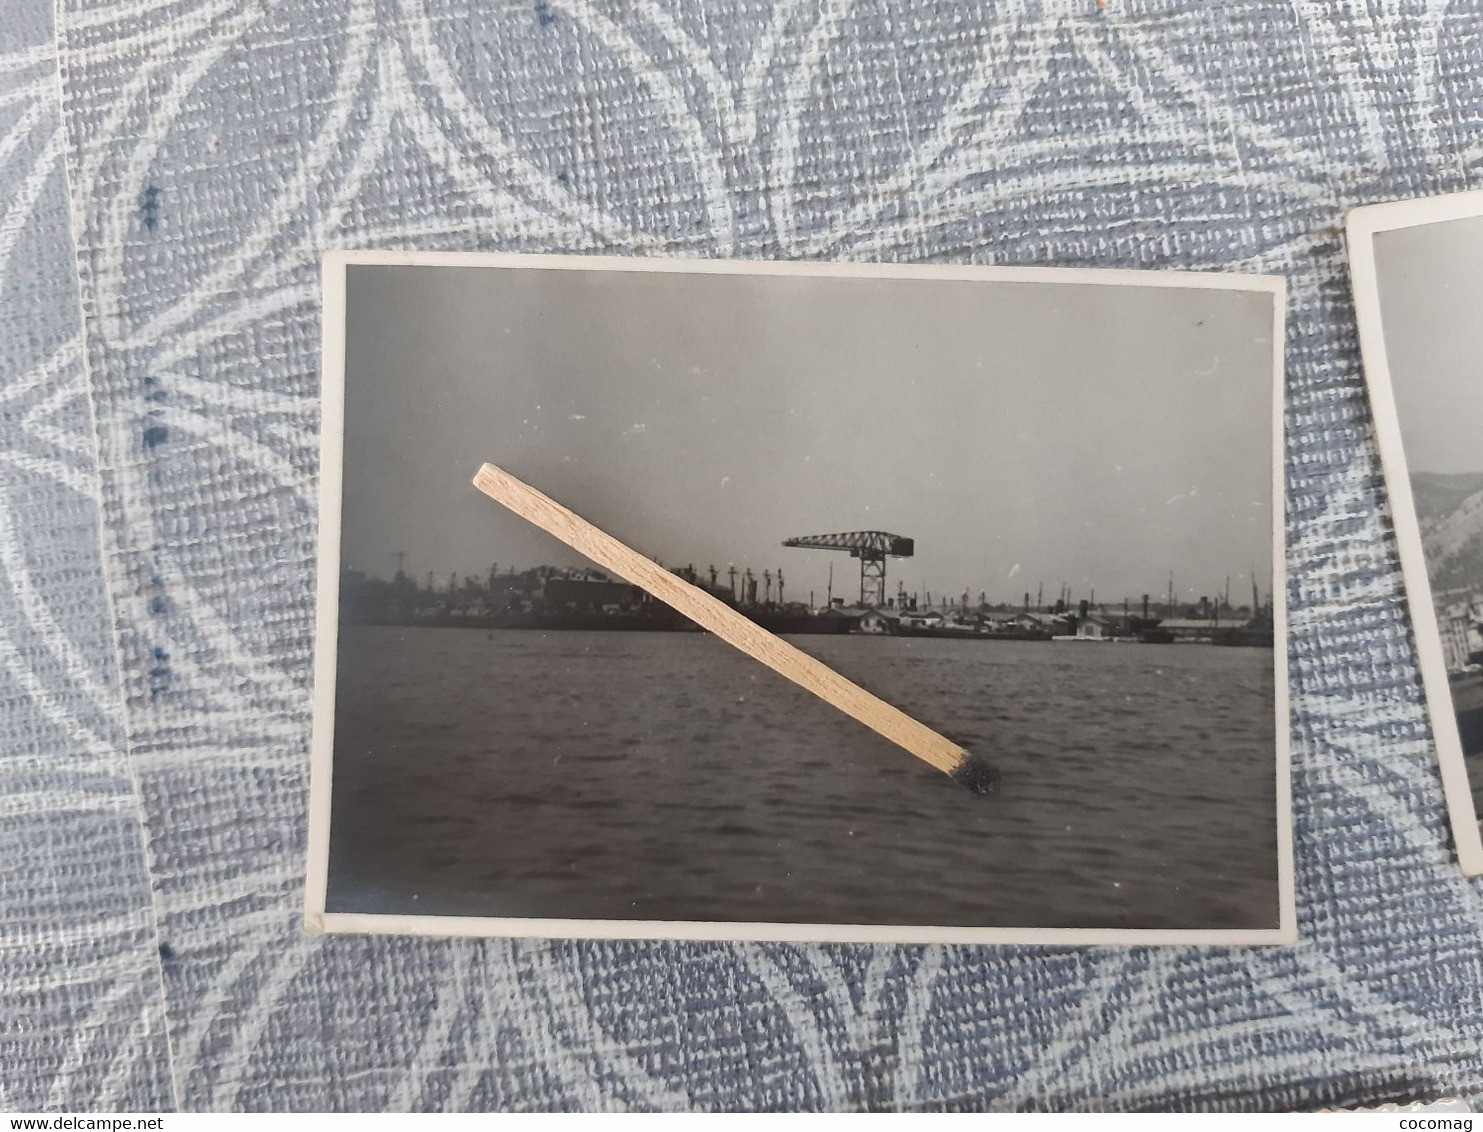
872	548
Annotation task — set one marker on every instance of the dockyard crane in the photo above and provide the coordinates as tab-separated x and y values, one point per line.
872	548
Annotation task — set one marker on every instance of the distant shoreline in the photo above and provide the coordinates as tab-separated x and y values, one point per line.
788	624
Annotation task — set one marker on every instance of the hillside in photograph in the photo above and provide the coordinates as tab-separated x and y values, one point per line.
1449	509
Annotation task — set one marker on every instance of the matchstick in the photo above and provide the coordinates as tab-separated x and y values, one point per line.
973	771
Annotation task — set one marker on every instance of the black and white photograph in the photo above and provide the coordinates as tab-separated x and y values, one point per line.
1031	514
1418	285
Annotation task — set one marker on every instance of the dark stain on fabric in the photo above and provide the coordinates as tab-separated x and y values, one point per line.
160	675
158	605
545	14
149	207
167	952
155	435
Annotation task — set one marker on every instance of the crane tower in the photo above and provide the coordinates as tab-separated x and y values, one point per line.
872	548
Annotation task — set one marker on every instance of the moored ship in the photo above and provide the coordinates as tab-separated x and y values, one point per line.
1467	705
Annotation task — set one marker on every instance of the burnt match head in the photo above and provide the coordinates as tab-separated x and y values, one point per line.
976	773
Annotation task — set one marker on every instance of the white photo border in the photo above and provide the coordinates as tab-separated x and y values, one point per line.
332	401
1362	225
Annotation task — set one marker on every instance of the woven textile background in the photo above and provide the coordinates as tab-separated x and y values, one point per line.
81	1010
157	514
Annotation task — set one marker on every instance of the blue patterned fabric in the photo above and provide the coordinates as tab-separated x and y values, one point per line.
159	499
82	1018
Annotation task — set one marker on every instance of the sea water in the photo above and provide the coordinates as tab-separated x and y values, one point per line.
631	775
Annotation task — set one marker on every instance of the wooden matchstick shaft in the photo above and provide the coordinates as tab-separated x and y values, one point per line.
722	620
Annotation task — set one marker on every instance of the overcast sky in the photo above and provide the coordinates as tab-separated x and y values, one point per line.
1020	432
1430	282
